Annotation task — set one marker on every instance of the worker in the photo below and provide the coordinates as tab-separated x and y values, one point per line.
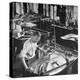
29	48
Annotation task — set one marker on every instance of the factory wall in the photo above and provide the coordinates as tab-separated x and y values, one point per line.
66	14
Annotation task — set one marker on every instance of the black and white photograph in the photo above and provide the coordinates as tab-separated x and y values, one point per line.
43	39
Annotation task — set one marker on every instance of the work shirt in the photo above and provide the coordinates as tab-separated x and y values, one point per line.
28	50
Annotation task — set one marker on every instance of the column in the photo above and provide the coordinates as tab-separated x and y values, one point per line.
18	8
67	16
55	12
22	9
76	12
31	6
47	10
44	7
35	7
51	12
28	7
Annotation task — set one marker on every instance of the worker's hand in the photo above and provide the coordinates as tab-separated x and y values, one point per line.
30	70
27	69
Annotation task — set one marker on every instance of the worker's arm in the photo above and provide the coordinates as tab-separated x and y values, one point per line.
23	55
25	65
